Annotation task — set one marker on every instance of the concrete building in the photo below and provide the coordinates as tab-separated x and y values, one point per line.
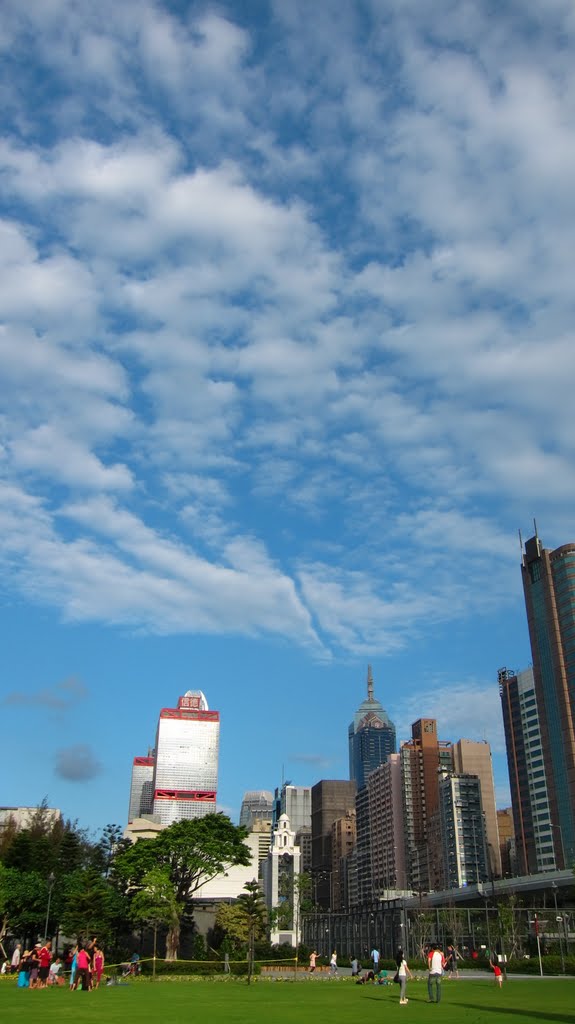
388	867
20	818
506	829
262	828
549	588
472	757
422	757
342	843
295	801
534	833
463	833
330	799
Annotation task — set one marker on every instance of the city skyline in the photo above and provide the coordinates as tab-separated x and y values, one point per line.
286	360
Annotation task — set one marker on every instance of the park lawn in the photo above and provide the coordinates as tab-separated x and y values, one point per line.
316	1002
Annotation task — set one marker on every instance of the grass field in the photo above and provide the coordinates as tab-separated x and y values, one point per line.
316	1002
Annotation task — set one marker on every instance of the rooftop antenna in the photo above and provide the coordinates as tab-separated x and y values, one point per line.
369	683
520	542
535	527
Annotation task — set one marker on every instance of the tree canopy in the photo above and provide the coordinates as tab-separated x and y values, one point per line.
190	852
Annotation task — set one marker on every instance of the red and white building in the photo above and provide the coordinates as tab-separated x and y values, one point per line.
184	771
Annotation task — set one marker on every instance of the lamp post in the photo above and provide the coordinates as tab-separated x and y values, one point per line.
51	879
558	921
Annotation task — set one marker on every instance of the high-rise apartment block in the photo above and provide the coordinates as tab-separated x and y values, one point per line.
388	868
184	768
549	587
534	845
371	737
463	835
422	757
472	757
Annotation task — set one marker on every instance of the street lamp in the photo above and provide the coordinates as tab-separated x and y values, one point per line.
51	879
558	921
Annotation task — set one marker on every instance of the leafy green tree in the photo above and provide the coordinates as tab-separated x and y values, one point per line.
92	906
232	922
192	852
253	908
155	903
23	901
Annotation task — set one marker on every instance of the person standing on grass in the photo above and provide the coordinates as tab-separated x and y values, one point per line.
98	966
451	958
333	964
312	959
436	962
83	970
15	962
403	973
375	958
497	972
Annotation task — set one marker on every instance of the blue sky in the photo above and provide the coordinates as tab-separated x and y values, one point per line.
286	359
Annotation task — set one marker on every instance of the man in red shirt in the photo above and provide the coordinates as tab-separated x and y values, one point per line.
44	958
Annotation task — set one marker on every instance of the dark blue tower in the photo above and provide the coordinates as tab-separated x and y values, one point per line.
371	737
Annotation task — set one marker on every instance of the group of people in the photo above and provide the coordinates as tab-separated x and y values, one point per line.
38	968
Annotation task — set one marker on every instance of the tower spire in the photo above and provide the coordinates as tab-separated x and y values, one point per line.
369	683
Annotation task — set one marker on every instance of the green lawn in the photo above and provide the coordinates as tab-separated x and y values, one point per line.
316	1002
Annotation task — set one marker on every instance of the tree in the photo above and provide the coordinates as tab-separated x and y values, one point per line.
23	901
253	908
91	905
155	903
192	852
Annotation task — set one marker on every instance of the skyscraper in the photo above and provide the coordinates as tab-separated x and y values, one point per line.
371	737
473	757
257	805
330	800
295	801
186	769
462	821
387	829
142	788
534	847
421	759
549	587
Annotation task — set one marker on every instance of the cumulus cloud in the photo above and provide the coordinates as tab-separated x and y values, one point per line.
77	763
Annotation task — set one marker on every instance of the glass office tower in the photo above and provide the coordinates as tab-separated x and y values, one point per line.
142	787
371	737
549	586
186	772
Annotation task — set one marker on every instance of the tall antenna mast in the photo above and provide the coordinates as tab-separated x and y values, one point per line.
369	683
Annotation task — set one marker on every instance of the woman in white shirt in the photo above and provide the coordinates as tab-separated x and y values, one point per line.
403	973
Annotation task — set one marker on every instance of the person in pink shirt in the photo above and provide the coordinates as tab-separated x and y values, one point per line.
83	970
